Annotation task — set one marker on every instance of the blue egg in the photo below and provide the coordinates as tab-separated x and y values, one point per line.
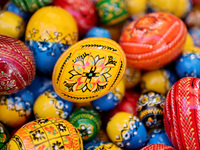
187	65
159	136
39	85
46	54
93	144
10	6
98	32
106	102
195	34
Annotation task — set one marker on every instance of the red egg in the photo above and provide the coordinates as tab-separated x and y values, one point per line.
153	41
83	11
182	114
157	147
17	65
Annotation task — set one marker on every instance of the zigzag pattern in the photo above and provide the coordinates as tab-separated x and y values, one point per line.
185	119
75	137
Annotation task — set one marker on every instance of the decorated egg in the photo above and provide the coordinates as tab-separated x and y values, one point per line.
10	6
150	109
87	121
98	32
83	11
49	104
31	5
159	80
89	69
157	147
39	85
47	133
112	12
93	144
153	41
195	34
126	131
159	136
11	24
48	35
131	77
188	63
181	113
17	65
107	146
179	8
4	137
110	100
15	109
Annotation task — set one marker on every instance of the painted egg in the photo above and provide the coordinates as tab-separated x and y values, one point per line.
11	24
110	100
107	146
131	77
49	34
39	85
195	34
49	104
187	65
83	11
150	109
112	12
126	131
159	80
159	136
10	6
98	32
93	144
46	133
89	69
17	65
136	7
157	147
87	121
181	113
179	8
31	5
15	109
4	137
153	41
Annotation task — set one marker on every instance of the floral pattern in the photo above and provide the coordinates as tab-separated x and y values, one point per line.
90	73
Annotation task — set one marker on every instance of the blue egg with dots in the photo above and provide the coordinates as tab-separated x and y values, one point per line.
187	65
159	136
98	32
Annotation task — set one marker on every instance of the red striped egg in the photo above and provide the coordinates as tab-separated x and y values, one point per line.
157	147
153	41
17	65
182	114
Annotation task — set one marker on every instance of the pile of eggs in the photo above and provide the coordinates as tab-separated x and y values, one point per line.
99	74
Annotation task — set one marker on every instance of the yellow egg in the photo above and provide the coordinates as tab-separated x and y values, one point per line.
108	146
189	41
155	80
89	69
11	24
45	134
136	7
52	24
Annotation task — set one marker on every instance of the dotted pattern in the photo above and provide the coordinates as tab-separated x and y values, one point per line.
157	147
